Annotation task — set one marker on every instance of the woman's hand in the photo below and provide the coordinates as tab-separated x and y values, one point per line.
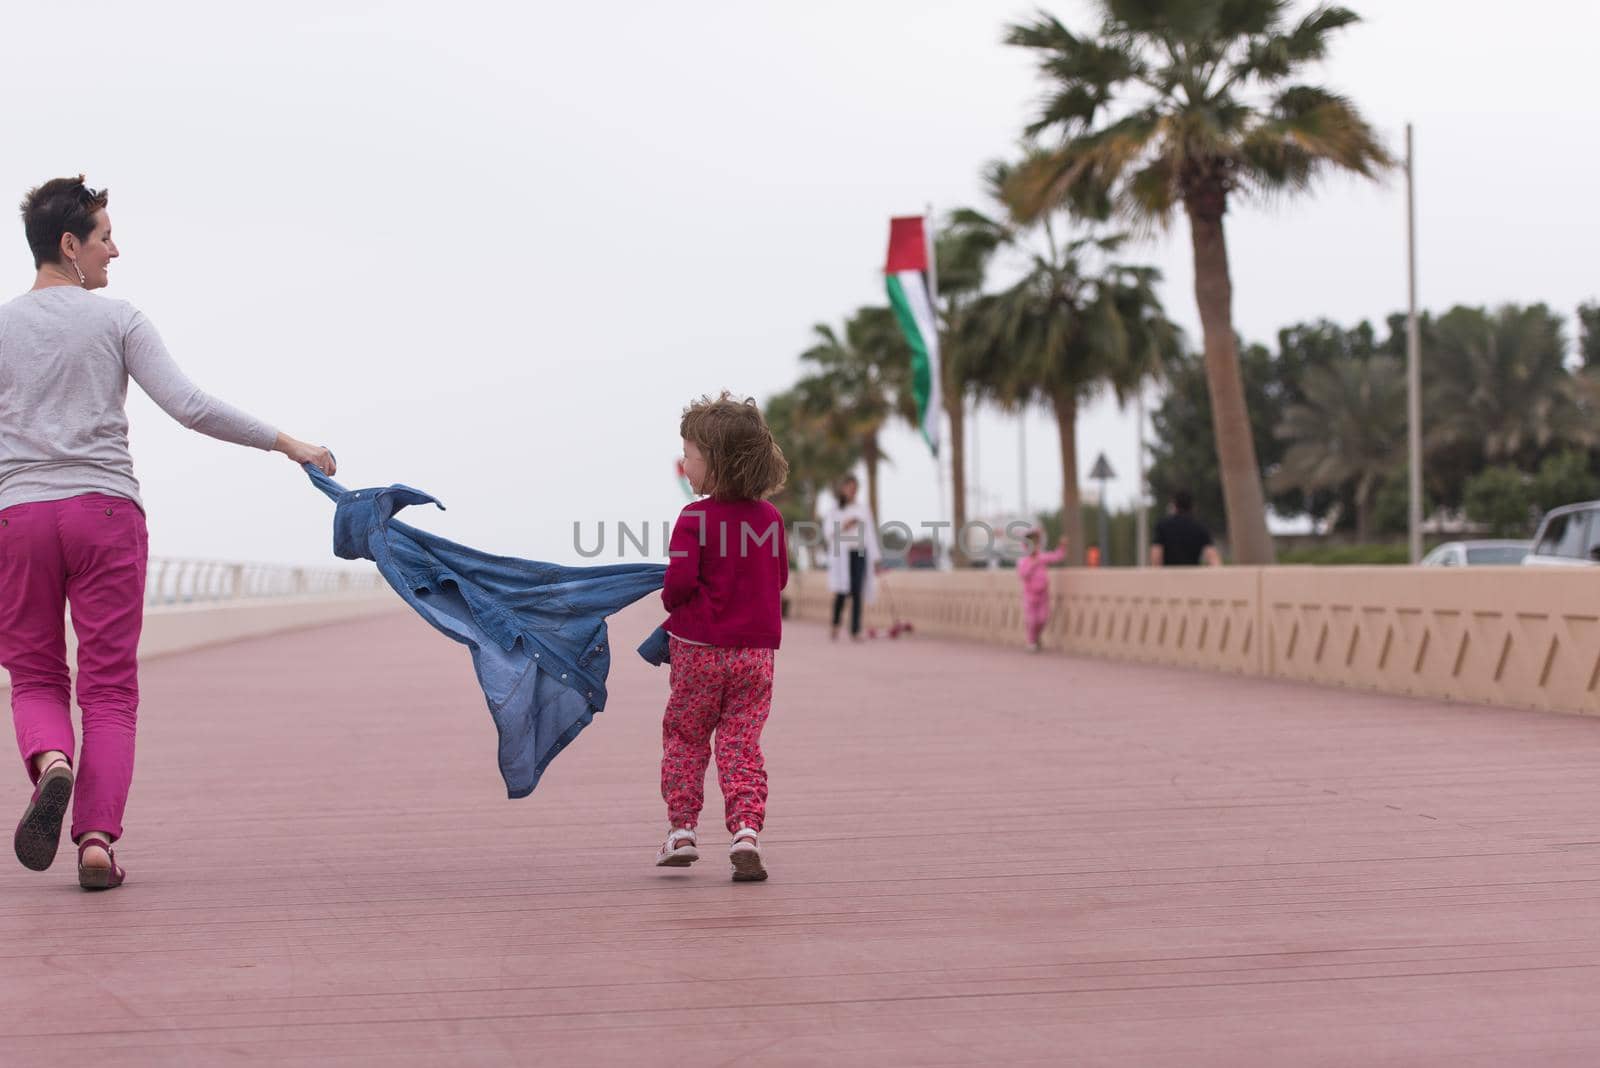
302	453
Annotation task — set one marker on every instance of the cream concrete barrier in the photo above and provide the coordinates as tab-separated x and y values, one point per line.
1524	637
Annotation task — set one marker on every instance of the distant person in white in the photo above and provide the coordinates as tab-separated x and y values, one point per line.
72	527
851	535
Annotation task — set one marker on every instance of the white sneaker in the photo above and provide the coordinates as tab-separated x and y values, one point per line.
679	850
745	853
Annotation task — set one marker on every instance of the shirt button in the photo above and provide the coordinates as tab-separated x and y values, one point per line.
563	674
108	511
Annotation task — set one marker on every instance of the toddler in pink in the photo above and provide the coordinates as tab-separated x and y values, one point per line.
1032	569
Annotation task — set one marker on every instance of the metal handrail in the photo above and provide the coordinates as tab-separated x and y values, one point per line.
176	580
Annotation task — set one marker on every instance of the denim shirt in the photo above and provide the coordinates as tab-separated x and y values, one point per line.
537	631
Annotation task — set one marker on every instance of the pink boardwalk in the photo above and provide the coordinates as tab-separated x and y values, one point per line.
978	857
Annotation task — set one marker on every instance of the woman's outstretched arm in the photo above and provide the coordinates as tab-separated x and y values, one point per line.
158	374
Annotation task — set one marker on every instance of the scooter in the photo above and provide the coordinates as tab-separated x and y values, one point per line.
897	625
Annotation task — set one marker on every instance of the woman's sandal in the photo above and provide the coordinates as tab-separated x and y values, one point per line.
99	878
39	832
679	850
745	854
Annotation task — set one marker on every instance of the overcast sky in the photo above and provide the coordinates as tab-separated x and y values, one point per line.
492	250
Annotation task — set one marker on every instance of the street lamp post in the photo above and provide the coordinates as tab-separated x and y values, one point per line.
1102	473
1141	540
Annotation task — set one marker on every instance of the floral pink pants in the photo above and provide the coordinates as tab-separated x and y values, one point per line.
726	692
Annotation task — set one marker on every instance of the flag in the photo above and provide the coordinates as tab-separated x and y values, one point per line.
911	297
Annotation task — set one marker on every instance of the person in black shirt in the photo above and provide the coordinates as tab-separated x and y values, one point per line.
1181	540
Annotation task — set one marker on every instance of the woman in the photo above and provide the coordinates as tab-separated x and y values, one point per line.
72	529
851	534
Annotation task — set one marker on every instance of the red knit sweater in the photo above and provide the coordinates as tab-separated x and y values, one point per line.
727	560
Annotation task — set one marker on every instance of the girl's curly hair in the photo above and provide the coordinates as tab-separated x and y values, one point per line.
743	461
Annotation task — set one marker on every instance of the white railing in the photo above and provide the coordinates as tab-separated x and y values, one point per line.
177	581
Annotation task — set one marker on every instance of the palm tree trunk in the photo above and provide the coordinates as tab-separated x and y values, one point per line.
1236	450
1065	402
869	456
1365	490
813	509
954	404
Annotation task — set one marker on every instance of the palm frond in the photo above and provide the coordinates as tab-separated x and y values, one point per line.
1310	130
1083	171
1193	134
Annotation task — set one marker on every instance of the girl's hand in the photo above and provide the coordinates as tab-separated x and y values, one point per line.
1062	544
302	453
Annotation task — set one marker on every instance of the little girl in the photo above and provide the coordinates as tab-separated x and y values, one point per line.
727	560
1031	569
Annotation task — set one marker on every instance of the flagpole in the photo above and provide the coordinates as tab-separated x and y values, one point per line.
943	557
975	465
1022	461
1413	361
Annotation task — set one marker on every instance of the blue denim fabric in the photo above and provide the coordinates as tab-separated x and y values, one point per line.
537	631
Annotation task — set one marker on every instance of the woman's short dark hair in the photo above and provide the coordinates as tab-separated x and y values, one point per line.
59	206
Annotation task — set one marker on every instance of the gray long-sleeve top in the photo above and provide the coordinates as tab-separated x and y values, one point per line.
65	359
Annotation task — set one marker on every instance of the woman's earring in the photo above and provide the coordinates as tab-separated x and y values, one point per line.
81	279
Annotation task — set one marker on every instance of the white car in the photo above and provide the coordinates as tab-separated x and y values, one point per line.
1568	536
1477	554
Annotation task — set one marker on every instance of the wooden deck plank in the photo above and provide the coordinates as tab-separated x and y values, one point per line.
978	857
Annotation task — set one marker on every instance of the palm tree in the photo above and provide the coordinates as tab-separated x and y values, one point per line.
1499	388
817	458
1072	324
1348	431
963	250
861	380
1154	112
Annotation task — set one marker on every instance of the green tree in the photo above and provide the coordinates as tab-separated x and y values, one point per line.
1191	103
963	248
1391	514
1301	347
1075	322
1349	430
817	456
860	380
1589	333
1498	389
1184	448
1564	478
1501	499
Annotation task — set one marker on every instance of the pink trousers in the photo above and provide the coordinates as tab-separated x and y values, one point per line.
727	692
89	552
1035	614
